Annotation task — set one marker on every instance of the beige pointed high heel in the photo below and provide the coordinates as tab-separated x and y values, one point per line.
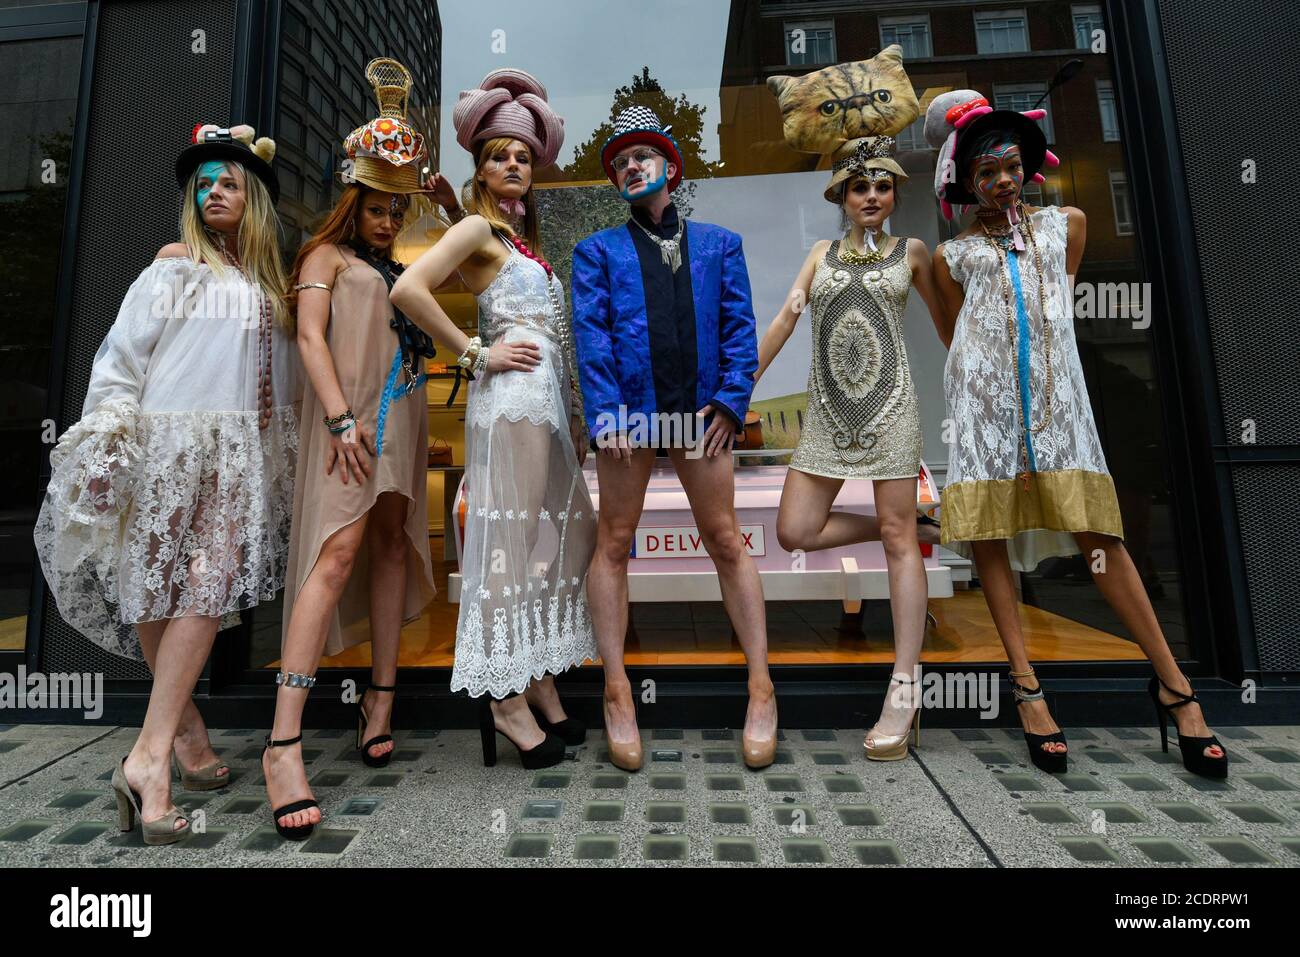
205	778
161	831
625	755
893	747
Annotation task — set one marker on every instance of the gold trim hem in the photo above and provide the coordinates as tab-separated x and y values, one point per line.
1072	500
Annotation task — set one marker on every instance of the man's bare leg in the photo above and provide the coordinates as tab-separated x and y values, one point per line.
709	483
622	494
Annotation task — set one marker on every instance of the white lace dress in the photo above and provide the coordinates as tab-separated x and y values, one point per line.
997	488
166	499
529	526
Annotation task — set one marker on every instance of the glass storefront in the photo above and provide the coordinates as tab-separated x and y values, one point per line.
39	69
703	68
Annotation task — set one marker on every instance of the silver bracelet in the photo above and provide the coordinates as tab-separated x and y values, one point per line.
294	680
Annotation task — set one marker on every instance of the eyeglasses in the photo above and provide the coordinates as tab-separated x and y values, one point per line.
641	157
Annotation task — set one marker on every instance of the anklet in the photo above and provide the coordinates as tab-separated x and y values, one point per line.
294	680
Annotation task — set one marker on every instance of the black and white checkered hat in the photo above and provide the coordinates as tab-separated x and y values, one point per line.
640	124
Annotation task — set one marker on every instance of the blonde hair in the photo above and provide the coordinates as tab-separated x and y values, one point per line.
258	238
481	200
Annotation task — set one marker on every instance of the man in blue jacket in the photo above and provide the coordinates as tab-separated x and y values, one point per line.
664	329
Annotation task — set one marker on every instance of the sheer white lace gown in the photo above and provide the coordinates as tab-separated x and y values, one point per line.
166	499
529	525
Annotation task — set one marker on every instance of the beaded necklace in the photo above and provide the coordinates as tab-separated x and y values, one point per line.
1002	248
263	334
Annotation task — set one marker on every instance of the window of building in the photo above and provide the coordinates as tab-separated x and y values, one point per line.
1120	202
1001	31
1087	20
1109	115
912	33
1025	96
809	43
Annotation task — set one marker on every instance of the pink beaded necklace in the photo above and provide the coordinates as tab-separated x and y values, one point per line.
263	336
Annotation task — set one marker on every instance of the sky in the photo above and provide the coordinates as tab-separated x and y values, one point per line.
581	50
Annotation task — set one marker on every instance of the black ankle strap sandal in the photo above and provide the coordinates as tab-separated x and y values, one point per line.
1195	759
1053	762
364	747
302	832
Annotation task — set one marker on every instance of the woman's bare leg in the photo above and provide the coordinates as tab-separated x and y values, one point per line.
193	747
388	546
1119	583
181	652
286	778
999	587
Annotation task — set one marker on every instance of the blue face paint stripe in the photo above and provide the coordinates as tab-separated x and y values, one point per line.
1022	355
213	170
652	187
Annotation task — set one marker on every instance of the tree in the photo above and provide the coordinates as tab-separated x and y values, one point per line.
685	117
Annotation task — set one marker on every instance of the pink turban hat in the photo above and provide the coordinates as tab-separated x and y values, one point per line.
509	103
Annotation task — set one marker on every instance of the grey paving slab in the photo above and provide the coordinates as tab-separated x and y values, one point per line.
960	800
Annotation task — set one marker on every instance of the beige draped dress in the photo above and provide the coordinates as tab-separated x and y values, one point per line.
364	347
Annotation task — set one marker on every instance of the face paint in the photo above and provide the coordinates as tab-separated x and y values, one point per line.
211	170
987	179
652	186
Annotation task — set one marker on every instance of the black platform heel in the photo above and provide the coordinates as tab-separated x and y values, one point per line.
545	755
571	731
302	832
364	748
1195	759
1052	762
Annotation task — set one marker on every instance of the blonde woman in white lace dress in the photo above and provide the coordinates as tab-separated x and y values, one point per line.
530	528
169	502
1027	477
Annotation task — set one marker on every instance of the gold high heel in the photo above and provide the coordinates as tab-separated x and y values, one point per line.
205	778
161	831
893	747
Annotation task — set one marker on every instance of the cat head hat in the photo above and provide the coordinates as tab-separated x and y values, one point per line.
509	103
208	142
387	152
954	122
640	125
851	112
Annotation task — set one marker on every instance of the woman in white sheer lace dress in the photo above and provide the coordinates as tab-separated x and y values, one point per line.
530	527
169	502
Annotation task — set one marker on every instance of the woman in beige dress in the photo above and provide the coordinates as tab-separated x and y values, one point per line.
359	564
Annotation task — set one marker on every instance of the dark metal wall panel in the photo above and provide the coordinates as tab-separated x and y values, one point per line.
1234	85
147	90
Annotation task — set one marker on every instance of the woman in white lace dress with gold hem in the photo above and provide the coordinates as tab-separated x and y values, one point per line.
530	526
1027	476
169	502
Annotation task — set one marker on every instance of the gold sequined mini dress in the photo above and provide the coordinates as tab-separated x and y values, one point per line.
862	420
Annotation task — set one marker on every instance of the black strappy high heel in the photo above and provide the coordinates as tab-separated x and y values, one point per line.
572	731
364	748
302	832
1053	762
545	755
1195	759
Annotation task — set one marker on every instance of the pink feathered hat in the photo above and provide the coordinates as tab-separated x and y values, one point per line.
509	103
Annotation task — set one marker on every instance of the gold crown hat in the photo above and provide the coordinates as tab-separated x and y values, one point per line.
386	152
870	156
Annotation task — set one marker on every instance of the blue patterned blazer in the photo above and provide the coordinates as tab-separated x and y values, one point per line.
611	336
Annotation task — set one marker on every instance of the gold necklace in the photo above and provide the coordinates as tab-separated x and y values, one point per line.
850	254
1004	272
